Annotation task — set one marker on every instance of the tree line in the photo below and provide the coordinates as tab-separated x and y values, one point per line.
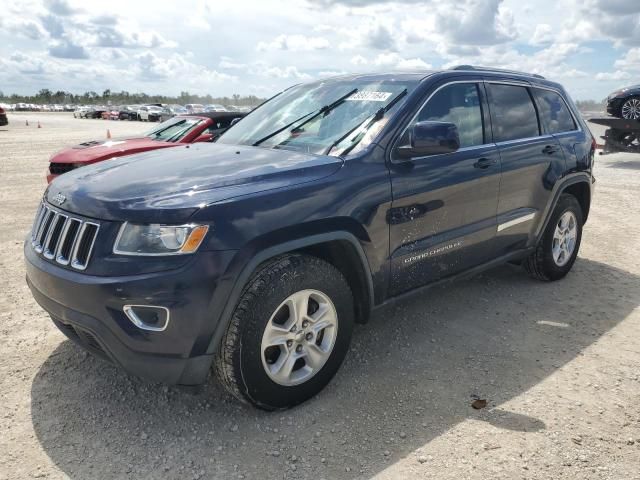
46	96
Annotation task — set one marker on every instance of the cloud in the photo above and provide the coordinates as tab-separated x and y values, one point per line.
60	7
617	75
380	37
66	49
542	35
395	61
53	25
295	43
630	61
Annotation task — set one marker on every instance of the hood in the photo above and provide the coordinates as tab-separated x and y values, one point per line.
93	151
625	91
170	185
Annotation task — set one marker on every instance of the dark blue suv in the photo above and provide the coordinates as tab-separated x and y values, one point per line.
255	255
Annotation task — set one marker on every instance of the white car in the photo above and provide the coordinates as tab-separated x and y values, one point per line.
194	107
215	108
80	112
149	113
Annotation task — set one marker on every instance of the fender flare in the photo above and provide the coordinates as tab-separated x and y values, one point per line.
273	251
558	188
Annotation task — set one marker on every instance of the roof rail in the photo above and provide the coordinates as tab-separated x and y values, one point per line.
490	69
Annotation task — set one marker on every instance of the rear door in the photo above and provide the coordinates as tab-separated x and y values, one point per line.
443	215
557	120
531	162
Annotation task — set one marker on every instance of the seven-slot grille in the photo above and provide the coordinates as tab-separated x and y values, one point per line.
65	239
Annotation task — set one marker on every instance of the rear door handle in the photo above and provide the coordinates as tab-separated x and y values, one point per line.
485	163
549	150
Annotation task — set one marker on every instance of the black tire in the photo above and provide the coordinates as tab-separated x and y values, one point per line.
239	365
540	264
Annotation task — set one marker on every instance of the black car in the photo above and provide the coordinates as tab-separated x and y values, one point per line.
128	112
255	255
3	118
625	103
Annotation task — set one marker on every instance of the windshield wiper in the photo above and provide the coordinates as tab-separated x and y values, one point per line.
379	115
326	109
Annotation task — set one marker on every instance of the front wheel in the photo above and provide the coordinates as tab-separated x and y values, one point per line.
558	247
289	333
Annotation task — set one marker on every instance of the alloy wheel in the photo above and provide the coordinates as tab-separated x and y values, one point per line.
299	337
564	238
631	109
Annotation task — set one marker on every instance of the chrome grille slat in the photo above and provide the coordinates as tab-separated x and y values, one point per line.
51	243
37	223
65	239
63	252
44	230
86	239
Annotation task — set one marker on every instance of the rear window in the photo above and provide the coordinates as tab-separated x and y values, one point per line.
554	113
512	113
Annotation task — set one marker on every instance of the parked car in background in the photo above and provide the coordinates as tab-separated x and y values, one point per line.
111	114
179	130
255	256
97	111
170	111
80	112
128	112
194	107
4	120
625	103
215	108
149	113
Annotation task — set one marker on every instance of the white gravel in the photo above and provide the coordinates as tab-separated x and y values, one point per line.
557	362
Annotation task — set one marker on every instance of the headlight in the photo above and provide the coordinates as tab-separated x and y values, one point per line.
156	239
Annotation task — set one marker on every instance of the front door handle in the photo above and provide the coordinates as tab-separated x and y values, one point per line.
485	163
549	150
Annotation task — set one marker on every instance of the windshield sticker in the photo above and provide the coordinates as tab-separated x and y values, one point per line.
369	96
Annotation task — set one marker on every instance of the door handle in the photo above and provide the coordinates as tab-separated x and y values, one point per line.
549	150
485	163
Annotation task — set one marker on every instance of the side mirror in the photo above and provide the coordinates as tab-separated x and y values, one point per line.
430	138
205	137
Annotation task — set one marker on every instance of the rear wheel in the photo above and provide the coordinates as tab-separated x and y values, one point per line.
558	248
289	333
630	109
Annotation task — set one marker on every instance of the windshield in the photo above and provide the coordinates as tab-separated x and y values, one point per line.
319	133
174	129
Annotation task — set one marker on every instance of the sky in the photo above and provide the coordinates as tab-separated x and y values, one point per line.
257	47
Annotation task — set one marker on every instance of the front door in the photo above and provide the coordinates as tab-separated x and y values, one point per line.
443	215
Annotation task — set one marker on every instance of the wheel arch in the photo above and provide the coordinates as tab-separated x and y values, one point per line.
340	248
579	185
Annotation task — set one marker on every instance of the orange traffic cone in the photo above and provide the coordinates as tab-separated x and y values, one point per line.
39	126
108	133
26	122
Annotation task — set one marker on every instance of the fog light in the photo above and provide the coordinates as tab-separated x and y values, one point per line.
148	317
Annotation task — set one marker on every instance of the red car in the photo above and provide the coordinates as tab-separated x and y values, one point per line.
202	127
110	115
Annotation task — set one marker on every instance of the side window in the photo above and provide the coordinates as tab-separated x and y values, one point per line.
458	103
554	113
513	115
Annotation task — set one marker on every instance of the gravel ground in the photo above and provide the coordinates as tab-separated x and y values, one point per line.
557	363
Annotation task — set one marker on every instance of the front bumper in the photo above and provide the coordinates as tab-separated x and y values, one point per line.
614	106
89	310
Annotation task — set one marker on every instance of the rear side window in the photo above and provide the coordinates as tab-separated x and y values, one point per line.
513	115
458	103
554	113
